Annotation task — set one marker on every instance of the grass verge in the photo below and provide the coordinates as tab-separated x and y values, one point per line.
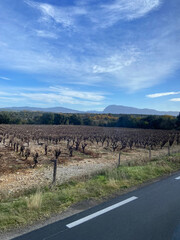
42	203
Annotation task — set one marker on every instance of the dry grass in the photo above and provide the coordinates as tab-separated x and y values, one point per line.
30	207
112	183
34	201
3	194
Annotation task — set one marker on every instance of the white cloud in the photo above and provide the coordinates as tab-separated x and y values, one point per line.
35	61
134	63
175	100
136	67
102	15
63	15
55	99
53	96
155	95
91	96
4	93
150	67
46	34
109	14
130	67
5	78
117	62
10	99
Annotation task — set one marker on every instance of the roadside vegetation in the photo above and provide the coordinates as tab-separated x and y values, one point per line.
39	204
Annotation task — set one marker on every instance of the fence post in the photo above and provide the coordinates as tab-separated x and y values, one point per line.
169	153
149	153
119	159
54	170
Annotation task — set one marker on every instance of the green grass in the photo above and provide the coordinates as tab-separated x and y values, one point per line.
42	203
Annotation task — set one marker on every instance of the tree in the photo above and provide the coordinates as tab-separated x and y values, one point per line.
4	118
47	118
58	119
178	121
126	121
75	120
87	121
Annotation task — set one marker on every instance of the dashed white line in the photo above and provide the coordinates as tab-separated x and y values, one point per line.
96	214
178	178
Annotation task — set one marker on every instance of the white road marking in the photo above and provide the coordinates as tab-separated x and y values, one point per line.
96	214
178	178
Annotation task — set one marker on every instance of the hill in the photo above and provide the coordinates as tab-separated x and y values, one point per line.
113	109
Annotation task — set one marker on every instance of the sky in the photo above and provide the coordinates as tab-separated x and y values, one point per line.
88	54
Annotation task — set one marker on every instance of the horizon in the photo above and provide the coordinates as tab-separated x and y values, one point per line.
91	111
89	55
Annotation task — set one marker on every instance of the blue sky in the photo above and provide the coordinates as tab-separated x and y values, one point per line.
87	54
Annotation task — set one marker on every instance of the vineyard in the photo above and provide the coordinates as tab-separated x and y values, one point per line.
27	151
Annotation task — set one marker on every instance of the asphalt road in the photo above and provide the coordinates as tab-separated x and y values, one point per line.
149	213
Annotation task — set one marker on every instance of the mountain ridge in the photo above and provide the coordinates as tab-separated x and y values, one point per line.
117	109
37	109
112	109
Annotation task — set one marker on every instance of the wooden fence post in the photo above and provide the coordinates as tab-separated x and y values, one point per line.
119	159
54	170
149	153
169	153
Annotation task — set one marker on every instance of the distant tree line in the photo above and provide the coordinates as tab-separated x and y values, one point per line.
104	120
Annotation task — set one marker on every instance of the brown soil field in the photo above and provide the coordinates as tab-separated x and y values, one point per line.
17	174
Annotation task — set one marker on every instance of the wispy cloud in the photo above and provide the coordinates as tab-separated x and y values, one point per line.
156	95
91	96
46	34
109	14
62	15
54	99
102	15
134	66
5	78
134	58
117	62
175	100
53	96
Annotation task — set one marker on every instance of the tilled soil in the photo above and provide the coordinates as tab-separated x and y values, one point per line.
17	174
